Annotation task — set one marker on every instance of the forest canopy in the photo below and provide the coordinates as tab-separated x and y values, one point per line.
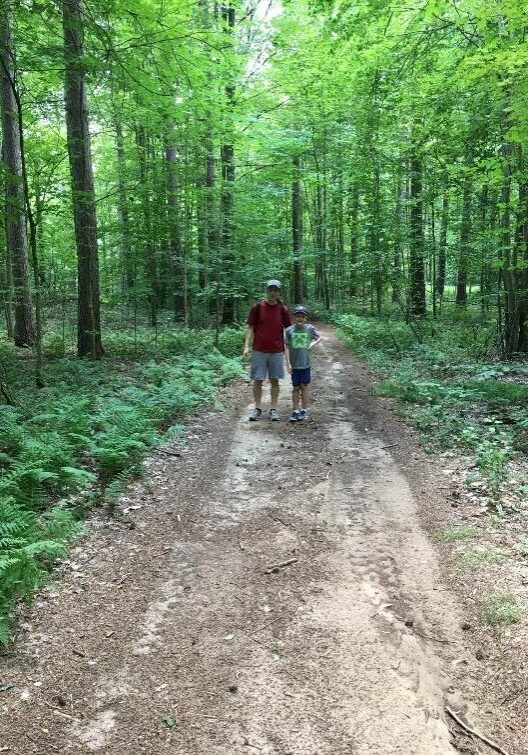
169	157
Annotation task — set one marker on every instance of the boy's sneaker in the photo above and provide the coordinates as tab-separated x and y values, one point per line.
294	416
274	415
255	415
303	414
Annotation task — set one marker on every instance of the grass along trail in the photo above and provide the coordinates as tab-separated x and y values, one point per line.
269	591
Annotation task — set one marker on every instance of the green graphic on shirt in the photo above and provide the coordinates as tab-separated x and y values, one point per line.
300	340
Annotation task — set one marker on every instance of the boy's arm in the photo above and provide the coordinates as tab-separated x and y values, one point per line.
316	340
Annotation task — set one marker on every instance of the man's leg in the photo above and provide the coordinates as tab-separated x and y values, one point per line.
257	393
274	392
258	372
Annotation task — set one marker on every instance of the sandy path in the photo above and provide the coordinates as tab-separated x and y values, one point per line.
172	637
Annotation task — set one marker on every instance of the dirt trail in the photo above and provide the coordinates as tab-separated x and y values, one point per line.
173	637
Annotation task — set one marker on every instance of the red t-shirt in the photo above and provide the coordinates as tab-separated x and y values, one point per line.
268	320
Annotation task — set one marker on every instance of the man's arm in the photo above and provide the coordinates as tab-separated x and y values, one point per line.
248	343
287	360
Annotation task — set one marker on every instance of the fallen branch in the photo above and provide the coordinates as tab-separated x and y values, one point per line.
433	639
279	520
276	567
265	626
168	453
467	728
59	712
391	445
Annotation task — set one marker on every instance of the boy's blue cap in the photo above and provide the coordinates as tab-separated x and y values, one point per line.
299	309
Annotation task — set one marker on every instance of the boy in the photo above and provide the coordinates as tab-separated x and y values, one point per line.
300	339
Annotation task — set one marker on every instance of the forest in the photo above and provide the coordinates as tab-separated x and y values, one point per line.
162	159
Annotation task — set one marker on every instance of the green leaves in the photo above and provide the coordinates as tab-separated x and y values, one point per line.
87	436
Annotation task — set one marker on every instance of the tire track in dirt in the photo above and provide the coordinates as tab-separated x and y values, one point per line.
339	652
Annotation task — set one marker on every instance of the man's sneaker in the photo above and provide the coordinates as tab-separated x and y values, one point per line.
274	415
255	415
294	416
303	414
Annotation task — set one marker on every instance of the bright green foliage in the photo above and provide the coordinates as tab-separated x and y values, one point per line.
92	426
408	129
476	407
28	543
460	532
502	609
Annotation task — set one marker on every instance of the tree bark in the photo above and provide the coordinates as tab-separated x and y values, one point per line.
15	211
417	303
128	264
396	277
83	196
354	238
464	251
149	250
177	252
514	256
442	247
227	198
297	231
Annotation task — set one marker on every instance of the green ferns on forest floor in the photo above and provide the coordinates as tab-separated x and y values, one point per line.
86	434
457	401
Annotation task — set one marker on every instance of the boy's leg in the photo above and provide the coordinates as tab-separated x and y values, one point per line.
305	395
295	396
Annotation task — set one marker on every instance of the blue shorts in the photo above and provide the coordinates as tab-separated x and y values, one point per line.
300	377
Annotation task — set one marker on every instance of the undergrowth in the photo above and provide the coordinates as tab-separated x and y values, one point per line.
444	377
77	441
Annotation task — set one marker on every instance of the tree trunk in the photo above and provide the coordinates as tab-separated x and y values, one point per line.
464	252
514	257
442	247
148	246
297	231
375	243
354	238
227	157
212	220
179	285
396	277
128	263
15	212
417	303
81	170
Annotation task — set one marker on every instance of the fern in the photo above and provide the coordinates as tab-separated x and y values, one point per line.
92	426
28	544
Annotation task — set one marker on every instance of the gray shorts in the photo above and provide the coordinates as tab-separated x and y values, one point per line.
265	365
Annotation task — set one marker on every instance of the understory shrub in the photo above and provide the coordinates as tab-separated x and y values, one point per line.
83	435
436	371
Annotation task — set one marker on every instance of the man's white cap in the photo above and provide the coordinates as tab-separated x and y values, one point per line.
273	282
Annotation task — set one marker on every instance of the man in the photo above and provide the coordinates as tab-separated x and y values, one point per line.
266	323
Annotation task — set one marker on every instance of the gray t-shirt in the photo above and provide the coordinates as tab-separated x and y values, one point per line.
298	339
